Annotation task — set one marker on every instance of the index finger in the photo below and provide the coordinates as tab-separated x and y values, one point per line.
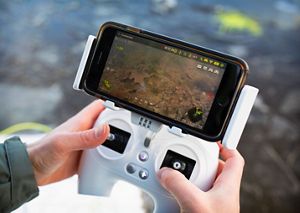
231	175
84	119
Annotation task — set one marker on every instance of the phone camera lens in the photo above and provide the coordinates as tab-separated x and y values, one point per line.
223	101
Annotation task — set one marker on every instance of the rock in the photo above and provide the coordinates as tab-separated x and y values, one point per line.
286	7
290	104
41	14
27	103
261	105
78	47
104	10
266	64
73	6
238	50
48	55
164	6
287	16
282	128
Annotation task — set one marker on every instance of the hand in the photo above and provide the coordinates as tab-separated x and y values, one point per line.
56	156
222	197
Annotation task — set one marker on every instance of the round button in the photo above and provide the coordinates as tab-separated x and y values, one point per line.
143	174
143	156
177	165
130	168
111	137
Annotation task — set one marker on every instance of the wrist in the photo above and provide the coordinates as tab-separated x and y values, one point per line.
32	150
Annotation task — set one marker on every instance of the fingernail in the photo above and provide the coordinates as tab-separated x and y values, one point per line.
99	131
220	145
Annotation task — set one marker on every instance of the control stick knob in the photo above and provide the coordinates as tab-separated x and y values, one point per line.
178	165
111	137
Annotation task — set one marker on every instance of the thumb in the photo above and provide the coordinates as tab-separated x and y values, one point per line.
87	139
186	194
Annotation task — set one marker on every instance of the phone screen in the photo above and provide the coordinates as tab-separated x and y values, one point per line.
172	82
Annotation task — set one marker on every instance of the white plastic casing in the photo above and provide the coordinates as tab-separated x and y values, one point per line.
239	117
83	61
101	168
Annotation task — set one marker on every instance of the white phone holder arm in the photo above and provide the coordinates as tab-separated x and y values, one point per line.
239	117
83	61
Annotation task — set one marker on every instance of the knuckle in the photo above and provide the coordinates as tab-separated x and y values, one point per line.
88	138
240	159
84	138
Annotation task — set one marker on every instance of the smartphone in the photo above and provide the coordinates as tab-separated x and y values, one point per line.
168	80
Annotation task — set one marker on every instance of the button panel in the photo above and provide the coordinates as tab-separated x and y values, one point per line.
137	171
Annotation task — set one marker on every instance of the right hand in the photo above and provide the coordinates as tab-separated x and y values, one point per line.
224	196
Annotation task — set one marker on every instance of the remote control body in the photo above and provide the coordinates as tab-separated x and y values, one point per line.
143	155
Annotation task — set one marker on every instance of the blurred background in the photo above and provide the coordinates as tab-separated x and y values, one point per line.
41	43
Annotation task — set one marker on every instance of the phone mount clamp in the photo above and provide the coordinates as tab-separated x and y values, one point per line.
138	147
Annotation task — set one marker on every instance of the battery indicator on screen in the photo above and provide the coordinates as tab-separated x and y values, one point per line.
194	56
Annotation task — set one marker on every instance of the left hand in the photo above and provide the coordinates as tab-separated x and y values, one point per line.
56	156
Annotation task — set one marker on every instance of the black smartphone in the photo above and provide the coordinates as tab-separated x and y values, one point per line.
168	80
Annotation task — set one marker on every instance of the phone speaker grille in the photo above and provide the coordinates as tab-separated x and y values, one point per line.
145	122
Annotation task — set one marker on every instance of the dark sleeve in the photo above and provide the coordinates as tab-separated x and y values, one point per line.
17	182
